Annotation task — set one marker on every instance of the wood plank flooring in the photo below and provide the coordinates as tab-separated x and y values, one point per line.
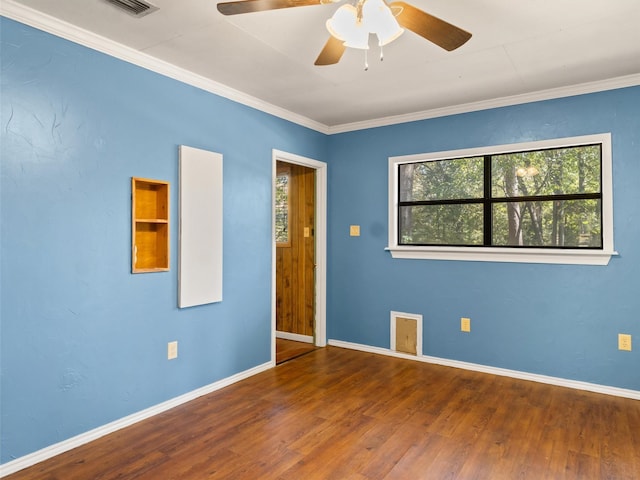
346	415
288	349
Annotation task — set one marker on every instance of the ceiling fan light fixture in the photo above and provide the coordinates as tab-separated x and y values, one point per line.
346	27
389	34
352	24
359	38
380	20
340	23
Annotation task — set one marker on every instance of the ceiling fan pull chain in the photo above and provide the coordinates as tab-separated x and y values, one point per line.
381	54
366	62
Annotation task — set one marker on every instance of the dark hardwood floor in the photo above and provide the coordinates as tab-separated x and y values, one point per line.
346	415
288	349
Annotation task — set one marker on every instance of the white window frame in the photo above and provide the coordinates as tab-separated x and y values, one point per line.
506	254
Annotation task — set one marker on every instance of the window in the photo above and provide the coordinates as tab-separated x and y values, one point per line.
544	201
282	206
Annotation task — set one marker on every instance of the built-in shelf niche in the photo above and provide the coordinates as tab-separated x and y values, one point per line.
149	225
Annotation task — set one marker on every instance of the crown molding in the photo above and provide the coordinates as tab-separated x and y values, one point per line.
49	24
54	26
560	92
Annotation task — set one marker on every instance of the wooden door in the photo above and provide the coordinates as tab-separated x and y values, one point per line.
295	249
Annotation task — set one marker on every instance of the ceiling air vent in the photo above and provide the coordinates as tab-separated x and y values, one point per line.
136	8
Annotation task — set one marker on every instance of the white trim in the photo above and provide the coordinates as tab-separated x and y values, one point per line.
496	254
321	244
84	438
503	372
46	23
509	255
59	28
296	337
538	96
392	329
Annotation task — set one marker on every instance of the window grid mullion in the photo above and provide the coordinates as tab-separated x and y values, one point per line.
530	198
487	211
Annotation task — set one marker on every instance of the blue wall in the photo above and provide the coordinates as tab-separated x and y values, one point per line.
83	340
556	320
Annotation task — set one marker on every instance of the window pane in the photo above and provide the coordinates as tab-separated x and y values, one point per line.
441	225
460	178
566	223
547	172
282	208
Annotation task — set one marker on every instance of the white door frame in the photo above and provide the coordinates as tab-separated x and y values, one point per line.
321	246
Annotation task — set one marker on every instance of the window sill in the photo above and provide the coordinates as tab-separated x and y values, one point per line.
515	255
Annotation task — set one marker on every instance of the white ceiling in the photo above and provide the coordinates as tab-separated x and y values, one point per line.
517	48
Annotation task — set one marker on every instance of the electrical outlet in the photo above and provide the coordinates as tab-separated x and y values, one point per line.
172	350
465	324
624	342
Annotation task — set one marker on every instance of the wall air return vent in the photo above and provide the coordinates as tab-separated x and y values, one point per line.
136	8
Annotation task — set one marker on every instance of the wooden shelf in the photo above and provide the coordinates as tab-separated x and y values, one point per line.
151	220
149	225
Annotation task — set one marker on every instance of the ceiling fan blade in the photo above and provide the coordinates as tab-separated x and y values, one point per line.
432	28
249	6
331	53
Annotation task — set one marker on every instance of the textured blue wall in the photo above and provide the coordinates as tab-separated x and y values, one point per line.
83	340
556	320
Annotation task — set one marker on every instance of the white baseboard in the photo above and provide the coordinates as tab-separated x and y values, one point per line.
66	445
294	336
534	377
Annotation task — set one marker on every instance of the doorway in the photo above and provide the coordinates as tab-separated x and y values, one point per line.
299	260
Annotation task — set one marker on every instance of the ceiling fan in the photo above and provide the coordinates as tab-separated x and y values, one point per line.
352	23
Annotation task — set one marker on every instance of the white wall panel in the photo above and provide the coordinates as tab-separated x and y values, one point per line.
200	235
